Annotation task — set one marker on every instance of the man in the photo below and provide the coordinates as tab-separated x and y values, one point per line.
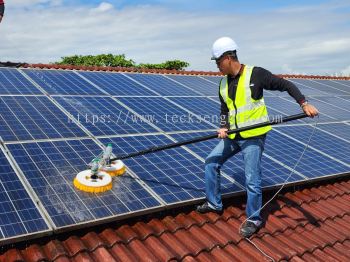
2	9
242	104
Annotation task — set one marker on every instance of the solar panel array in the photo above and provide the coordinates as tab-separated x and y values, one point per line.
54	122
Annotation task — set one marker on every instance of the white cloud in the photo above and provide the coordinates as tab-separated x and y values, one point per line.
345	71
103	7
281	41
32	3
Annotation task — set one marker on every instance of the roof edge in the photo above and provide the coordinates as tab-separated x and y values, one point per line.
162	71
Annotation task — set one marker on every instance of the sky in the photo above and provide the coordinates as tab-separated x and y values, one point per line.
285	37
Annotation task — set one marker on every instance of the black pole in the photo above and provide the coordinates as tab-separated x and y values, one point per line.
204	138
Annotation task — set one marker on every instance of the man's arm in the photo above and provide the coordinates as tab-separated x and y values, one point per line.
273	82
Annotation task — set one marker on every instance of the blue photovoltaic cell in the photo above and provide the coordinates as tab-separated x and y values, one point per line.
339	129
320	86
34	117
345	83
201	106
163	85
306	90
58	82
339	107
322	141
335	85
198	84
288	106
13	82
164	114
328	112
50	168
174	174
312	164
272	172
214	79
103	116
18	213
116	84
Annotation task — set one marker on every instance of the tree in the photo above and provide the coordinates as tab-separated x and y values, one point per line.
118	60
97	60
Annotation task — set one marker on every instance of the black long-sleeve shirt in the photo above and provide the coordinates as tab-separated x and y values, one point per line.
261	79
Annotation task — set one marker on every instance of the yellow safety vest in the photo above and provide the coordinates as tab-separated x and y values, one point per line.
244	111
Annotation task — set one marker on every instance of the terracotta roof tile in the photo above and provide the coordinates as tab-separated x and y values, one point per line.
307	225
54	250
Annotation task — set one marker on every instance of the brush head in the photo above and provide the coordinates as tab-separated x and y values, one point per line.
83	181
117	168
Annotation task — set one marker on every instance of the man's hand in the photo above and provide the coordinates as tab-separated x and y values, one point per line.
222	133
310	110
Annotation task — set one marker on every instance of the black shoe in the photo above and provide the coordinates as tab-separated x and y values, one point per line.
248	229
205	208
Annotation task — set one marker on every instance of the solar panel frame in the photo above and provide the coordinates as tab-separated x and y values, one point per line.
13	82
162	85
319	86
62	82
103	115
34	117
32	221
114	84
67	206
166	116
170	93
312	165
325	142
200	85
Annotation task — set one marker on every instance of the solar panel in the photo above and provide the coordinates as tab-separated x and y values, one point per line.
175	174
288	106
201	106
13	82
213	79
320	86
162	85
34	117
19	216
335	85
344	83
103	116
341	130
328	112
164	114
117	84
137	117
305	89
58	82
312	165
198	84
328	144
50	168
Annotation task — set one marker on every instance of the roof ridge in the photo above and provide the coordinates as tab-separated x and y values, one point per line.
164	71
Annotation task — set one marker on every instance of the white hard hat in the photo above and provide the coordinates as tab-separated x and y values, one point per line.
222	45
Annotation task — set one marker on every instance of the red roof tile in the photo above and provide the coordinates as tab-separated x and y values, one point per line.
311	224
162	71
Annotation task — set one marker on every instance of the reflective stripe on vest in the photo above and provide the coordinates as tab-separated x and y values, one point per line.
249	111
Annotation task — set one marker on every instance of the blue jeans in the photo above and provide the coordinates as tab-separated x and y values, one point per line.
252	150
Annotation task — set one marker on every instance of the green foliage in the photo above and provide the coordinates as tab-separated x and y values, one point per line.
169	65
118	60
97	60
